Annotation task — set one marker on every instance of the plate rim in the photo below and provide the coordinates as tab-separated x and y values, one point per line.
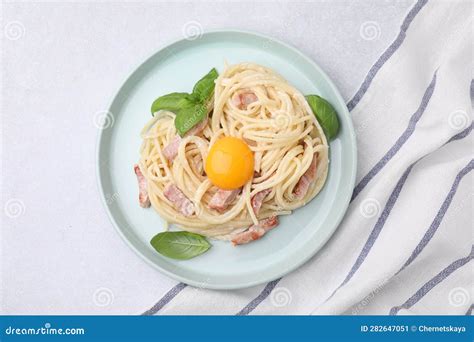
284	271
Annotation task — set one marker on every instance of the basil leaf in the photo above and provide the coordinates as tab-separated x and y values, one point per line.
190	109
189	117
172	102
325	113
180	245
204	88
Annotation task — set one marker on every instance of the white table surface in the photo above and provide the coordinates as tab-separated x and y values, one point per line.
61	63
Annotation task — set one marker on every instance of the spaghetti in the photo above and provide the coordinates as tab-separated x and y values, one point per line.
290	150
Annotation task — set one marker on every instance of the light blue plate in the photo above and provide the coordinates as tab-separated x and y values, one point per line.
176	68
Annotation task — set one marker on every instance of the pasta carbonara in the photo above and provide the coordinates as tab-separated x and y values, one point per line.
261	112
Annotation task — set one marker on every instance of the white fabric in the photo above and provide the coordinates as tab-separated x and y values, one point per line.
438	41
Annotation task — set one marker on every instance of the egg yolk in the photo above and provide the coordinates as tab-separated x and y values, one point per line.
229	163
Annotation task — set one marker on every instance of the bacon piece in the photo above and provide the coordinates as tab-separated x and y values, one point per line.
179	200
257	200
198	128
242	99
255	232
250	142
308	177
171	150
143	198
222	198
197	165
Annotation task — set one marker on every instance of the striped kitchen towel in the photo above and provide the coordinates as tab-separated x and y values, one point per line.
406	243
